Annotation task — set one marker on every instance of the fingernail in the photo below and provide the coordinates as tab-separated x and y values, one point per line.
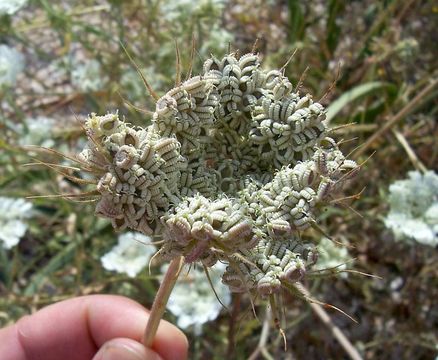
126	351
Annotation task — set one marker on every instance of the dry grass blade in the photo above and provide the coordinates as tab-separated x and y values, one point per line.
317	307
319	229
177	65
37	162
55	167
192	57
276	311
143	78
354	197
264	336
410	152
58	153
416	101
302	78
136	108
362	273
255	46
333	84
64	196
343	126
283	68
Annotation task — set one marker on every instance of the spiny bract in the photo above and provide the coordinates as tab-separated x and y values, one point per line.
231	169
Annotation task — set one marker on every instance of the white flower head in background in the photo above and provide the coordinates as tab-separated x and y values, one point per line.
331	255
38	131
13	213
174	9
11	64
87	76
130	255
413	214
217	40
10	7
194	302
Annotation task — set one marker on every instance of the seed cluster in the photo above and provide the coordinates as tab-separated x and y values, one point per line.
270	262
287	203
232	168
140	172
199	225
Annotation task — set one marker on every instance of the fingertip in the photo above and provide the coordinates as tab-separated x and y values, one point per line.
126	349
113	317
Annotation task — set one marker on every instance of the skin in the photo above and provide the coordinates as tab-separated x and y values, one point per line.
98	327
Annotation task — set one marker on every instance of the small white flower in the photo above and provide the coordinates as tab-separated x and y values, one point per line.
414	208
10	7
193	301
130	255
13	212
87	76
11	64
331	256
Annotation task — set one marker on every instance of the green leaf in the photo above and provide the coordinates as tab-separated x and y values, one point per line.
357	92
333	30
62	258
296	18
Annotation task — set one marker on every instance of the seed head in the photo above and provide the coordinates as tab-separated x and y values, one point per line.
232	168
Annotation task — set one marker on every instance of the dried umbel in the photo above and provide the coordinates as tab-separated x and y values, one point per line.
202	229
232	168
269	263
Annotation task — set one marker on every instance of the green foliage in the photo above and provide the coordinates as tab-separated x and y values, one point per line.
296	19
350	96
335	7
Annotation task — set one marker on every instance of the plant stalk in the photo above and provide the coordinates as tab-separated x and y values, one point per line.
349	348
161	299
416	101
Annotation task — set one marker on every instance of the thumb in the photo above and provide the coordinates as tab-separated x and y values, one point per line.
125	349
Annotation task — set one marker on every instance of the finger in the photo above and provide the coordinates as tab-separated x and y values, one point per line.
126	349
76	328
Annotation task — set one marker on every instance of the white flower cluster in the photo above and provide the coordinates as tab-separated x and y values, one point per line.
175	9
10	7
11	64
13	215
87	76
234	165
37	131
193	300
413	214
131	254
332	256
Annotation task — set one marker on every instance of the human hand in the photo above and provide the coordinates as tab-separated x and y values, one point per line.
97	327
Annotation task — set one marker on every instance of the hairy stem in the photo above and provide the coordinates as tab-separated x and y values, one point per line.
161	299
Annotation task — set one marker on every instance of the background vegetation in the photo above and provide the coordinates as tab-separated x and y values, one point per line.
382	55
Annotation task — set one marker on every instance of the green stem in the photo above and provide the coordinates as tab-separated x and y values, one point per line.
161	299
